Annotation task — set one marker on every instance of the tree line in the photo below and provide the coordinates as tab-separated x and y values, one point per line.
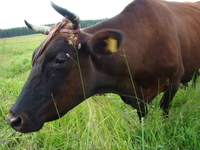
19	31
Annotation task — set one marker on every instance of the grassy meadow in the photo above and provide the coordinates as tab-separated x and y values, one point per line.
99	123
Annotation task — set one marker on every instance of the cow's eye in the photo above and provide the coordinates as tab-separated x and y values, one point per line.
60	60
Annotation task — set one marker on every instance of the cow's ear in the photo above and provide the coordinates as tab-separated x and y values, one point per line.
105	42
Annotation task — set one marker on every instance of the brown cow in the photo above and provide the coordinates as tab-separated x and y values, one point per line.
149	48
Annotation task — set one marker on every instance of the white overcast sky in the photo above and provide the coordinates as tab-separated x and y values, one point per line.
13	12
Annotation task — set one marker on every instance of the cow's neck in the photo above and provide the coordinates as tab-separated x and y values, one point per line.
106	24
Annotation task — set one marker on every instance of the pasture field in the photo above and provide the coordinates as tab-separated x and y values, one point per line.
99	123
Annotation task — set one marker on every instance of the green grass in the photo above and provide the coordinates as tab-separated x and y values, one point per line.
101	122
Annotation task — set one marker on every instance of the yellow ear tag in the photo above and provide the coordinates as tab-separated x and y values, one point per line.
112	44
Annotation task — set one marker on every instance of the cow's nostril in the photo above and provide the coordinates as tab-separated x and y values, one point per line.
15	123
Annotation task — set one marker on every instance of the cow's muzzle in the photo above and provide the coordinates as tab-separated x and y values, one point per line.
23	123
14	122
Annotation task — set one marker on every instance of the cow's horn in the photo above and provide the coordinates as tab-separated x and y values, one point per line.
39	29
67	14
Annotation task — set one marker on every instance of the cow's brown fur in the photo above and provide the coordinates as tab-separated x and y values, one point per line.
160	49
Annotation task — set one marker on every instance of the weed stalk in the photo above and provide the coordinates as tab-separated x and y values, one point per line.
72	41
132	82
55	104
129	71
142	127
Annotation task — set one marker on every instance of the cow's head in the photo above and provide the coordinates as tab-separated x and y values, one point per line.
63	72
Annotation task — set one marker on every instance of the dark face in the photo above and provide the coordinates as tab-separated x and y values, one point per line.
51	86
54	85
